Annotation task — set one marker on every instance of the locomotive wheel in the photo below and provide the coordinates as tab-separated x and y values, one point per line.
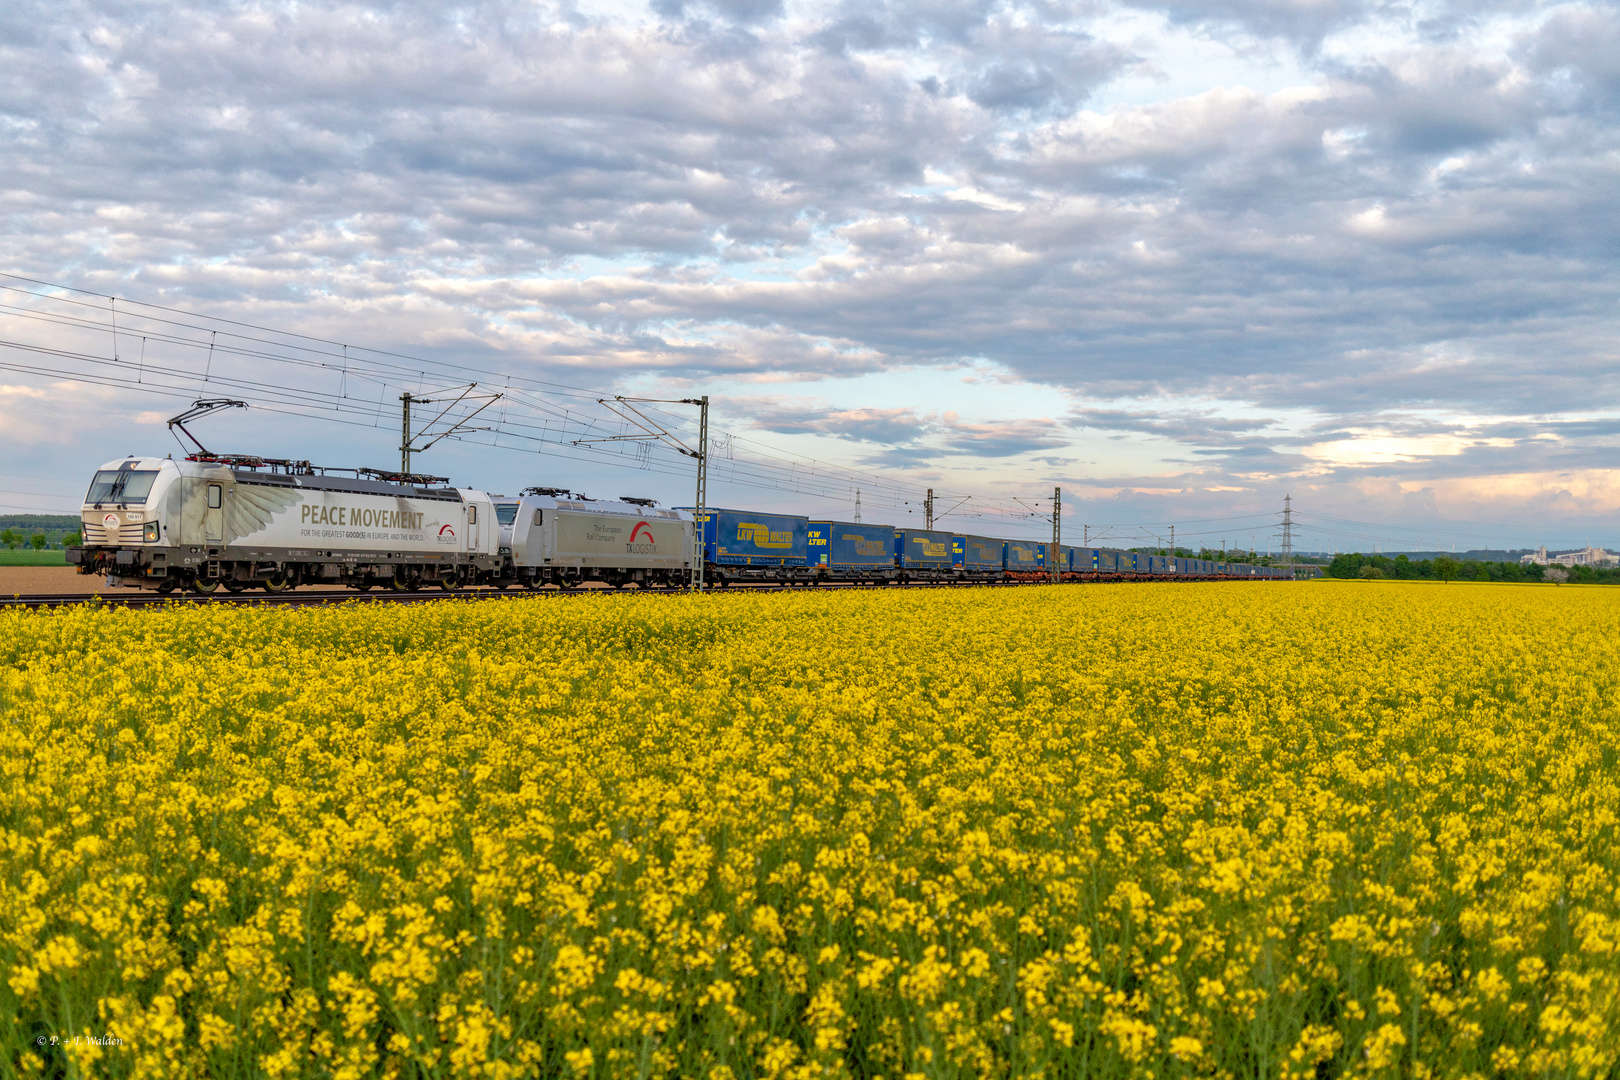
531	583
199	585
232	585
278	582
361	586
451	583
168	586
403	582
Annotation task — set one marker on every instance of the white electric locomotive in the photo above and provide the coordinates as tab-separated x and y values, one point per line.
234	521
551	536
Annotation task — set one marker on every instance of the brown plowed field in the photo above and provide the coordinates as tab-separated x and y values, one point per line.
67	581
49	581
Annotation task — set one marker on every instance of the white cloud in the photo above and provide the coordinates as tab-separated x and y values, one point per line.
1279	206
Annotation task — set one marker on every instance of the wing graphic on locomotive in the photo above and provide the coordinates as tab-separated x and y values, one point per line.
252	507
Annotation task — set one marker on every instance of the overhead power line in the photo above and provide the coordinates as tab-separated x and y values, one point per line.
185	354
54	331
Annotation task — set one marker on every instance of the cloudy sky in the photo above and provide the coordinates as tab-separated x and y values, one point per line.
1179	257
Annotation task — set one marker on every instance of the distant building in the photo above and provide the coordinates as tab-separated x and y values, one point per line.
1592	556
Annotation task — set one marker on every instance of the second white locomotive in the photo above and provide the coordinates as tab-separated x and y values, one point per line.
550	536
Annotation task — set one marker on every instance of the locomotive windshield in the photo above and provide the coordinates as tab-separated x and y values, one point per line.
506	513
121	485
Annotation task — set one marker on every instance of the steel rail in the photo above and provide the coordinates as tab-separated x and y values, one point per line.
323	599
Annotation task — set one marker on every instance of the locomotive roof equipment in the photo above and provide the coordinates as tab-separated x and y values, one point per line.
200	407
556	493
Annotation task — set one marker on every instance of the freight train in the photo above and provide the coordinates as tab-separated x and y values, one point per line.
233	522
750	545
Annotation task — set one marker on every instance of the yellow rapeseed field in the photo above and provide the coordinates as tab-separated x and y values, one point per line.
1227	830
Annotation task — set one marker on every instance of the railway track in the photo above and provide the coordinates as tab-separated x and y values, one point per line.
321	599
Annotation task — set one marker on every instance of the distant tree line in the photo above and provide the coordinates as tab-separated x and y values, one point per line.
1190	553
1445	568
1217	555
38	531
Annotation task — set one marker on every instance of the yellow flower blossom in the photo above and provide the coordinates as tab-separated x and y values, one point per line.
1140	830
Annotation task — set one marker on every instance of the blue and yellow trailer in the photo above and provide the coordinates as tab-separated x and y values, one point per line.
1061	554
976	554
1022	556
1095	560
750	538
922	549
849	549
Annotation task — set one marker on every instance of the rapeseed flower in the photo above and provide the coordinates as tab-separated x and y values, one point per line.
1139	830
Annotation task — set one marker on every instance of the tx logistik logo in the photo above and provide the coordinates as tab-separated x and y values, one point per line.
447	535
761	536
642	541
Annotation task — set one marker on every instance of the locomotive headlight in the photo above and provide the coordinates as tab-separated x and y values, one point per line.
150	533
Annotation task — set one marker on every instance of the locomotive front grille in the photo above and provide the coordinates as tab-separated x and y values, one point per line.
127	534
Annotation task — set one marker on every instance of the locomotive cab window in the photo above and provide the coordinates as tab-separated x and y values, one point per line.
216	495
506	513
121	485
472	515
539	517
